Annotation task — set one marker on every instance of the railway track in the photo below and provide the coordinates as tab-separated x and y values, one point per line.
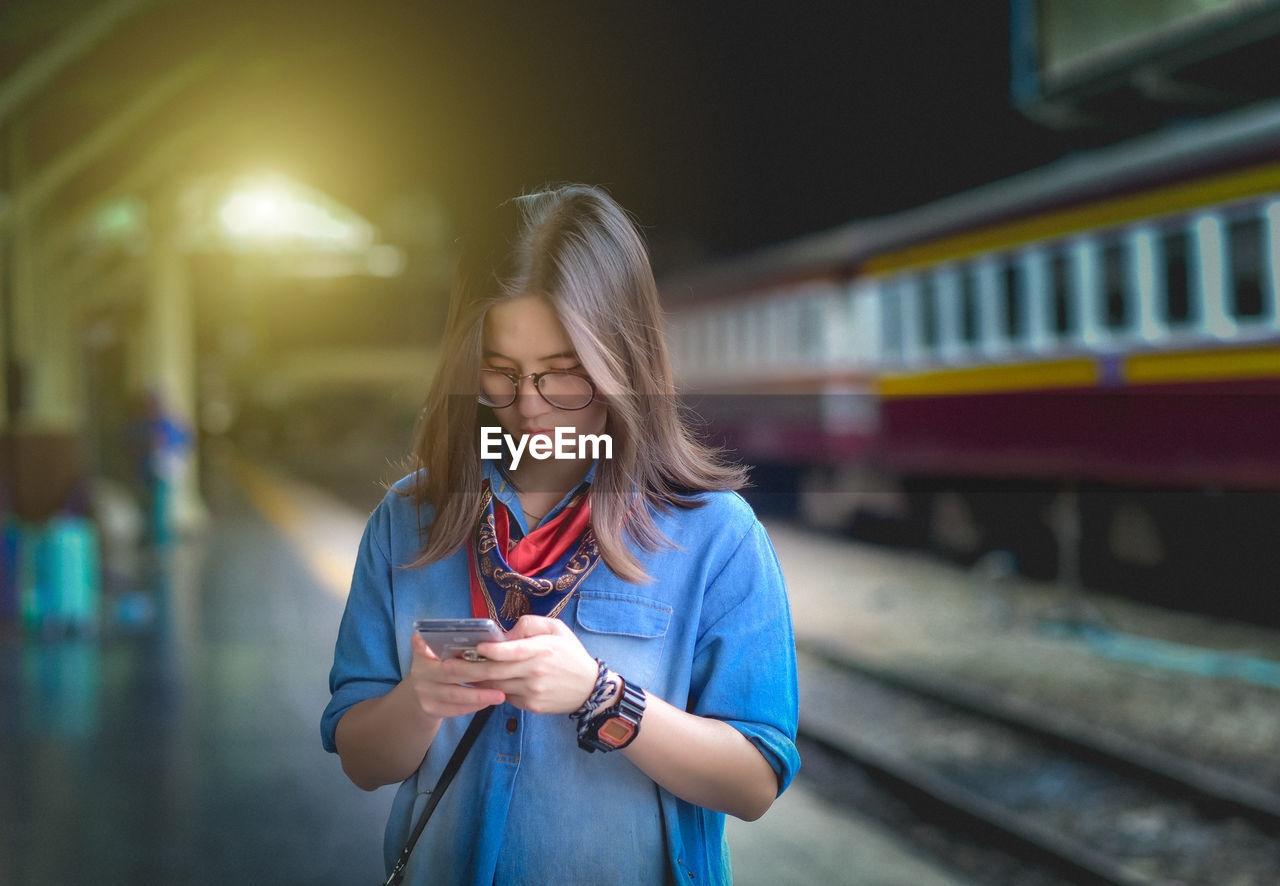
1091	806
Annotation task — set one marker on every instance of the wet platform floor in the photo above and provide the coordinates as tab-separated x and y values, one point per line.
185	748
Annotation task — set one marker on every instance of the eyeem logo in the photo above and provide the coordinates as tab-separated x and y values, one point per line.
540	447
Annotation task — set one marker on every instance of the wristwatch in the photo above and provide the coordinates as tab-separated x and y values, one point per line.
617	727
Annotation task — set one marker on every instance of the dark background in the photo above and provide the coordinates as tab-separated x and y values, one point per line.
722	126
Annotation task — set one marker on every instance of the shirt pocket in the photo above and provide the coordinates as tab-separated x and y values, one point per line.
627	632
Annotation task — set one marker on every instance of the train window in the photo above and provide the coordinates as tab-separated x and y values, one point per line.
1244	241
732	336
791	324
1115	302
776	317
810	322
1014	319
697	338
891	323
1175	249
1062	319
759	333
719	344
825	323
680	337
787	331
970	328
845	344
929	312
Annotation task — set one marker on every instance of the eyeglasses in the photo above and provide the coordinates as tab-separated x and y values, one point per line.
563	390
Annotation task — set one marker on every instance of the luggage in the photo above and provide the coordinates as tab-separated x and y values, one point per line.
60	577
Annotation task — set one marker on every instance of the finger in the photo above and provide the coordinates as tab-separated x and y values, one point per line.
455	670
474	697
459	710
510	650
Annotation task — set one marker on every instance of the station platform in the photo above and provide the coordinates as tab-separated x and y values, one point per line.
181	745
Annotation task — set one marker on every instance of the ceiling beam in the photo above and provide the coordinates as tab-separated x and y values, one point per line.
32	193
73	42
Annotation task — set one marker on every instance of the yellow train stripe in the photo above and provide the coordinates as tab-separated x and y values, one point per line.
1160	201
1235	363
1075	373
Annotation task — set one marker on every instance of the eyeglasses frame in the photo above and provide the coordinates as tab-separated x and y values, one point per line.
537	377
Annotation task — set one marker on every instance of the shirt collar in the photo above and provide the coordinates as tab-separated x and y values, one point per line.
504	492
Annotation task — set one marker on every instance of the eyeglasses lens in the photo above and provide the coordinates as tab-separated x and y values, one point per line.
563	390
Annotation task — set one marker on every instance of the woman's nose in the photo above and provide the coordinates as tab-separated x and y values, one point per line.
528	400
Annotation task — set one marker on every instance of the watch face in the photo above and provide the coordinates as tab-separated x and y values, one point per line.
616	731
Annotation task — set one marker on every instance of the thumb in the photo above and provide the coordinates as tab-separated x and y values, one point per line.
534	626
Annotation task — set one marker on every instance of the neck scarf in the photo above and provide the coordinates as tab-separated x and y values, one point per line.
535	574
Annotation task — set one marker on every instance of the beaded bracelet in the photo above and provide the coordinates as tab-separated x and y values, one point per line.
599	693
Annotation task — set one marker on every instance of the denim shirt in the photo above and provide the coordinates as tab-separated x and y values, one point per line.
710	634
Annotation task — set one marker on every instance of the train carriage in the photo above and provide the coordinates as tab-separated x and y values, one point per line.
1102	331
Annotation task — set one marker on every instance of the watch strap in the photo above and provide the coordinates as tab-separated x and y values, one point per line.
627	711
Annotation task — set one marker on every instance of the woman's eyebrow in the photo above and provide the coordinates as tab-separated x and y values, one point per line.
498	355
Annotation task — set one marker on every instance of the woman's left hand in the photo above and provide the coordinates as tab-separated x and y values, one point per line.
542	667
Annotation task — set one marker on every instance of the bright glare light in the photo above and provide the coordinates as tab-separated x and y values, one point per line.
256	214
269	213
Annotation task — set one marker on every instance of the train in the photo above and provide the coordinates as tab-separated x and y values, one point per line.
1079	365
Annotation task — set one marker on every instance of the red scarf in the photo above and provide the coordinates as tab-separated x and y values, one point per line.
537	573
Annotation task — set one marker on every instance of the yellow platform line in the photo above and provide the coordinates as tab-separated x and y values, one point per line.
279	503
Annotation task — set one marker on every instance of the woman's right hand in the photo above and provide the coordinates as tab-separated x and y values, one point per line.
436	695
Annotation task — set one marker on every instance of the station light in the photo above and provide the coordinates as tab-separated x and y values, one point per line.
273	213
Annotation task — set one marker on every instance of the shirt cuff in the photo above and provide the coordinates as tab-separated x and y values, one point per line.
344	698
779	750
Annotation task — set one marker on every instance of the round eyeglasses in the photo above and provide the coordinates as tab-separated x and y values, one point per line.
563	390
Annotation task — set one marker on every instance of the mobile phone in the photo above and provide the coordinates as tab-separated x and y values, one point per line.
457	637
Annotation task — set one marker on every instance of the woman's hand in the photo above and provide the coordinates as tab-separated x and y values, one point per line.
437	690
541	667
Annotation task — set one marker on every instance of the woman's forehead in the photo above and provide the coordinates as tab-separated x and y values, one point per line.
526	327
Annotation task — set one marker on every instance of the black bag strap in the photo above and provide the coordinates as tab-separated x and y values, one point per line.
450	770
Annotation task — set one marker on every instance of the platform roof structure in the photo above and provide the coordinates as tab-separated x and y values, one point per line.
1078	64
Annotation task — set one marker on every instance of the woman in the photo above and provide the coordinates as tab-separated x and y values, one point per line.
647	682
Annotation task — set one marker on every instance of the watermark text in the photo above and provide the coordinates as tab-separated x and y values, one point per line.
567	443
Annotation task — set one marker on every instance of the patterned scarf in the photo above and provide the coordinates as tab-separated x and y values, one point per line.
535	574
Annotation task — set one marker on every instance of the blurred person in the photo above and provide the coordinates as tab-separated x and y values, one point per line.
159	443
646	685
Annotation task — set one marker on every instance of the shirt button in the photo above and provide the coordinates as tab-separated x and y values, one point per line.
511	725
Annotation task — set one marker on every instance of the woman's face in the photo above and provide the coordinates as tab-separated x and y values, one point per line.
524	335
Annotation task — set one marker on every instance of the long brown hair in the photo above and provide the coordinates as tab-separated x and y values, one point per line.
577	247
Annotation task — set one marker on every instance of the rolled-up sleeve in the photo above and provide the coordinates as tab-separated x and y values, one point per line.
744	667
365	663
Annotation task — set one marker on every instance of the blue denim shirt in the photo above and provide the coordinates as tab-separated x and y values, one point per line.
711	634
